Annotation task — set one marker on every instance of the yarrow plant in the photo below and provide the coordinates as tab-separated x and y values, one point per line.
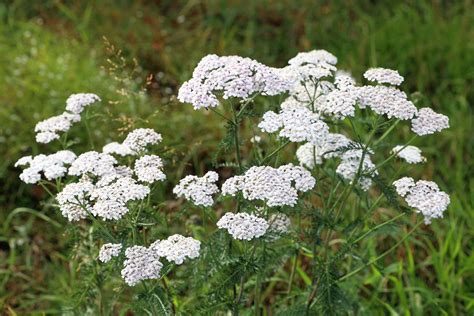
318	168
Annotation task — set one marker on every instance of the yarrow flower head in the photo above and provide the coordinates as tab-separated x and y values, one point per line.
403	185
117	149
77	102
177	248
139	139
52	166
234	76
74	201
49	129
349	167
279	223
93	163
317	56
297	123
428	122
111	197
198	190
107	251
344	81
339	104
310	155
309	66
383	75
410	154
149	168
142	263
243	226
274	186
424	196
387	101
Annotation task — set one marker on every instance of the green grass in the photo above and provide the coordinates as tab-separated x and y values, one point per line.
50	50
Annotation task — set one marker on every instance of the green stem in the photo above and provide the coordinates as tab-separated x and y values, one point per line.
382	255
377	167
276	151
222	115
236	139
390	129
170	296
377	227
89	133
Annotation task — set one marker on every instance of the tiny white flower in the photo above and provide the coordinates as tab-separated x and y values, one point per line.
198	190
387	101
243	226
424	196
297	123
428	122
149	168
384	75
274	186
117	149
94	163
142	263
74	200
77	102
177	248
279	223
139	139
410	154
53	166
107	251
233	76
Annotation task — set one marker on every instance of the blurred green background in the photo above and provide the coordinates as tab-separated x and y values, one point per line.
116	49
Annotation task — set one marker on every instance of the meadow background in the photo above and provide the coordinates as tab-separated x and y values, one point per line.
135	55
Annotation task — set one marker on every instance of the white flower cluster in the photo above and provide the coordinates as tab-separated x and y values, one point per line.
349	166
243	226
296	123
106	189
387	101
49	129
384	75
310	155
428	122
338	103
142	263
198	190
117	149
410	154
234	76
177	248
279	223
111	198
309	66
52	166
76	103
135	143
140	138
316	56
149	168
73	200
93	163
275	186
424	196
107	251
